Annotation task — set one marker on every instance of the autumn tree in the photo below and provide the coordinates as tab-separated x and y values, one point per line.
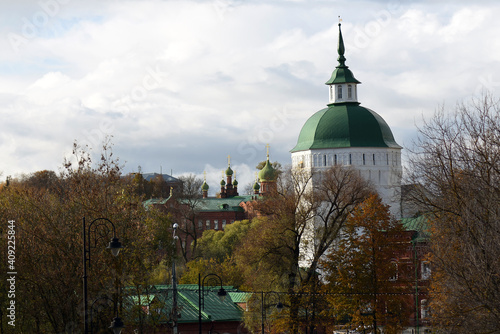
299	215
367	287
456	165
48	210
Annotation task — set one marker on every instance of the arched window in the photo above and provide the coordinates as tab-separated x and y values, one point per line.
364	160
332	93
349	92
339	92
324	160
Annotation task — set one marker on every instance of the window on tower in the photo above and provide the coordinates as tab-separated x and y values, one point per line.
339	92
349	92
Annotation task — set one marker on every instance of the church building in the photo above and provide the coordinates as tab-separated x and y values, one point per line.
348	134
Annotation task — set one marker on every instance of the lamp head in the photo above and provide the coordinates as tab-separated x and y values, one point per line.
115	245
222	294
117	325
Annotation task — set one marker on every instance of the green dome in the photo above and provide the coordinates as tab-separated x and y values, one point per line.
256	186
229	171
268	173
204	186
345	125
235	183
222	182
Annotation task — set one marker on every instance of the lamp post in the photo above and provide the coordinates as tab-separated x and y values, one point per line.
279	306
174	284
415	259
115	246
201	295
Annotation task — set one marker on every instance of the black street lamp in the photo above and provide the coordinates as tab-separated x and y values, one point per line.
116	324
279	306
115	246
201	294
175	313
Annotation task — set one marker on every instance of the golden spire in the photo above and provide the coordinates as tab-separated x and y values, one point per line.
205	175
229	160
267	149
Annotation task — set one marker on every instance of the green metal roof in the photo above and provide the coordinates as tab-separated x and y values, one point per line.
240	297
188	303
345	125
419	224
222	204
342	73
267	173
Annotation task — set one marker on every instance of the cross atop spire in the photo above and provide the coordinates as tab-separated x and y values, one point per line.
229	160
205	175
267	149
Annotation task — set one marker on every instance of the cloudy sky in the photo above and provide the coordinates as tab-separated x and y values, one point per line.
180	85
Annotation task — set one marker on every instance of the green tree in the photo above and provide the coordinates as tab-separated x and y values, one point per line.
215	254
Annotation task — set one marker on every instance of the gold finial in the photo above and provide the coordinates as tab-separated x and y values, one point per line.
222	172
228	160
205	175
256	176
171	191
340	19
267	149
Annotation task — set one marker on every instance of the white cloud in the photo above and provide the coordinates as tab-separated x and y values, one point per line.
182	84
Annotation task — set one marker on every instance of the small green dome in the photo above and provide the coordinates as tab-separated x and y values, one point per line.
222	182
204	186
235	183
268	173
345	125
256	186
229	171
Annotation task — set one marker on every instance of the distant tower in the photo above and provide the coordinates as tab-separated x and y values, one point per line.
267	177
235	185
204	186
256	186
346	133
222	187
229	176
